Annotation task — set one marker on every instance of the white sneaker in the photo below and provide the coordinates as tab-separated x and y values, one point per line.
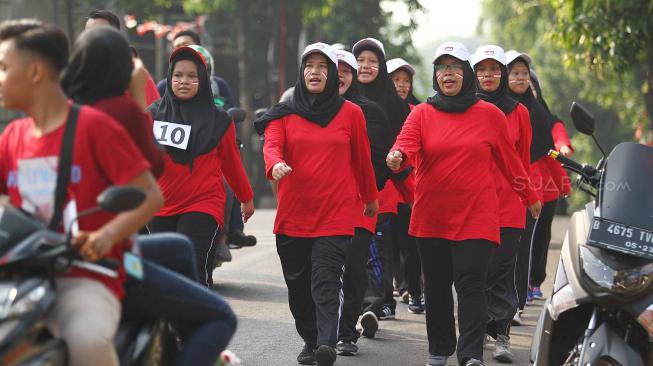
517	320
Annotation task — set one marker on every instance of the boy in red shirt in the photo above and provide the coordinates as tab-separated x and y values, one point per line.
87	310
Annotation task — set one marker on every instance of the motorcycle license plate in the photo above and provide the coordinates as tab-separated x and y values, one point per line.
621	238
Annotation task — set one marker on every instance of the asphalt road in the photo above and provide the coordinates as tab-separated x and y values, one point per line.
254	286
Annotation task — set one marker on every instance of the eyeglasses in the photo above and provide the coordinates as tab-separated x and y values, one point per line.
439	69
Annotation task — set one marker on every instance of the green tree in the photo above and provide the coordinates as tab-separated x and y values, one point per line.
609	36
615	98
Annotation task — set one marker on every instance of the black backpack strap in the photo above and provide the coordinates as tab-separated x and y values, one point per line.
64	168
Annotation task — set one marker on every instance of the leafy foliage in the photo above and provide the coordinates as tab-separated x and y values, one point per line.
582	53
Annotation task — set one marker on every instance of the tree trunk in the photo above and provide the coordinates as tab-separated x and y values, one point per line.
648	96
245	97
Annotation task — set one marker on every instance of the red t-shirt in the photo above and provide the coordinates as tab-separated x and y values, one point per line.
202	189
151	92
511	208
455	193
104	155
331	169
138	124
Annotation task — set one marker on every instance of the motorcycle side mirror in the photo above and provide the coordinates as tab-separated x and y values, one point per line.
583	119
120	199
237	114
260	112
115	199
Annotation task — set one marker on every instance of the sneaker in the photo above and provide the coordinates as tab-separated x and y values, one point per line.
415	306
502	350
537	293
239	238
395	292
486	340
433	360
516	320
228	358
387	313
307	355
473	362
405	297
529	296
346	348
222	253
325	355
370	324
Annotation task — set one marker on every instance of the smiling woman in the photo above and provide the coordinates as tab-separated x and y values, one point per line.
455	140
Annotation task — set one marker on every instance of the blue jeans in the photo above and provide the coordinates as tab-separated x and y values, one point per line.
204	317
171	250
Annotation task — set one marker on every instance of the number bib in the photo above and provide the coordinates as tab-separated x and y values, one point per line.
172	134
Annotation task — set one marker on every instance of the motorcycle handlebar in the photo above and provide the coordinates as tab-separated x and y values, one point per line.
566	161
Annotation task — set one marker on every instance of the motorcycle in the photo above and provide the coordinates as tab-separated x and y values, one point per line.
601	308
30	257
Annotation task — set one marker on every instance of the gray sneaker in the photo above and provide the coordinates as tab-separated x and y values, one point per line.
473	362
502	350
433	360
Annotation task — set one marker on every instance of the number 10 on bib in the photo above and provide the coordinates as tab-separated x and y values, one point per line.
172	134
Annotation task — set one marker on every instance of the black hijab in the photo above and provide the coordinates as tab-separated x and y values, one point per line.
317	108
500	96
459	102
382	91
541	120
209	122
100	66
411	97
378	130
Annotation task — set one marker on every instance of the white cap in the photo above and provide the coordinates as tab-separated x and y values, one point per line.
455	49
372	42
322	48
348	58
489	51
398	63
512	55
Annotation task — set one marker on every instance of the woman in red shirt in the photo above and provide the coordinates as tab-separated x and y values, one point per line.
546	175
377	86
455	140
408	269
489	63
201	143
355	277
316	147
